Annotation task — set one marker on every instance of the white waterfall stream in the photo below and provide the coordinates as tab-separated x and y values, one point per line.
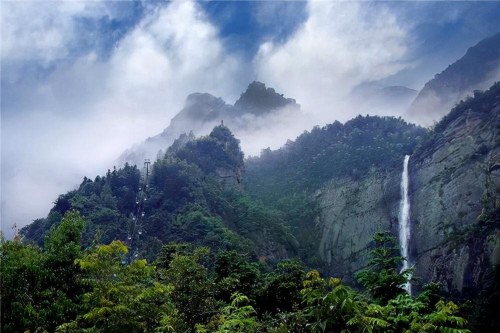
404	220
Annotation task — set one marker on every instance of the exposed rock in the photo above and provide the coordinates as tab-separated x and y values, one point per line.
449	177
351	212
258	100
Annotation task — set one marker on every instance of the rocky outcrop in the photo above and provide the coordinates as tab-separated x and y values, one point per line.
259	100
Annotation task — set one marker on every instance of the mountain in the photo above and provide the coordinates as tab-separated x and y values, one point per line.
192	194
259	100
374	96
202	111
455	182
331	185
341	184
476	70
216	230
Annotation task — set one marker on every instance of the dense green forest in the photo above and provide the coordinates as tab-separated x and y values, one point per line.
186	288
192	194
202	191
285	179
206	241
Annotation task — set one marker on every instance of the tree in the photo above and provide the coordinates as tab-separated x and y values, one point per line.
192	289
22	274
329	304
281	291
237	317
42	289
123	298
382	278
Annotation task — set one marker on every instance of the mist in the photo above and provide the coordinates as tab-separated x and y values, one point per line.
73	101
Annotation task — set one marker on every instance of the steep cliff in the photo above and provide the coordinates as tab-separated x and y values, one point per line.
351	211
454	197
454	178
336	186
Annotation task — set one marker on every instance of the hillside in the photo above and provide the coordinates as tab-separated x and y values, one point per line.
192	194
218	230
339	184
291	179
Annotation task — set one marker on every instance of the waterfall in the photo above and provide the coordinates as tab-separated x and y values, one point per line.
404	220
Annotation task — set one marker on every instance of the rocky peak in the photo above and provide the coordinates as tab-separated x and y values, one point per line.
258	99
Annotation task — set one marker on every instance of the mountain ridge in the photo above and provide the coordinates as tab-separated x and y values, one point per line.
203	111
477	69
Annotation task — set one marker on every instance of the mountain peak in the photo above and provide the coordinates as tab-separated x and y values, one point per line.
259	99
201	106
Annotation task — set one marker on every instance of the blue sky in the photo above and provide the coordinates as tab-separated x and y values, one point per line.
83	80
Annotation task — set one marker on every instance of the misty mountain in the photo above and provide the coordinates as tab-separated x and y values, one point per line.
372	95
193	194
339	184
320	198
203	111
477	69
259	100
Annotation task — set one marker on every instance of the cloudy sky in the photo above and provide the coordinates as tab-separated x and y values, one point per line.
83	80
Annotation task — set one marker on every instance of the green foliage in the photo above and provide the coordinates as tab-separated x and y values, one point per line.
382	279
21	285
234	273
286	179
281	289
219	150
190	290
329	304
122	298
187	201
237	317
42	288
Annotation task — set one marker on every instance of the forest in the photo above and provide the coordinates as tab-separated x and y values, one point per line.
203	240
188	288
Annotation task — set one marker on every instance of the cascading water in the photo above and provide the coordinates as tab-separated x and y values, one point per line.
404	220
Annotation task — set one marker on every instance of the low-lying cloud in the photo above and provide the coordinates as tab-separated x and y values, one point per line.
85	111
82	81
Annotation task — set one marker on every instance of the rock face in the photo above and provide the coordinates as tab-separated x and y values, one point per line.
451	174
449	177
477	69
351	212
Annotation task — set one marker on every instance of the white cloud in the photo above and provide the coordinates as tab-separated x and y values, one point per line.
341	45
41	32
81	116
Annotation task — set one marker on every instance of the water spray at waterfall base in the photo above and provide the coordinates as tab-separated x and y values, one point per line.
404	220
